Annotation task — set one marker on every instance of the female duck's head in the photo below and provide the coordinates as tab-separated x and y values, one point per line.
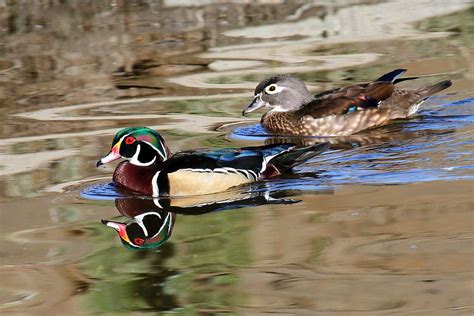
281	93
141	146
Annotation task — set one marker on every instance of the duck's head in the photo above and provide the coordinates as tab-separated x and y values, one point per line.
147	230
279	94
141	146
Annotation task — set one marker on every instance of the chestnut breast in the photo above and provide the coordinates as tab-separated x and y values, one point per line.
135	178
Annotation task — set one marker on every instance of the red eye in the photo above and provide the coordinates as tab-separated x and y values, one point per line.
129	140
138	241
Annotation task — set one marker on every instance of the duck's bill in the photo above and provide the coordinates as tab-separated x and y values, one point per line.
115	225
256	104
109	158
119	227
114	154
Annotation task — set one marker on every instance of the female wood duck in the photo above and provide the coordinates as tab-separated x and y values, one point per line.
337	112
151	169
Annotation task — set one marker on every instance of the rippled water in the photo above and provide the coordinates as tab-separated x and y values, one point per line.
380	223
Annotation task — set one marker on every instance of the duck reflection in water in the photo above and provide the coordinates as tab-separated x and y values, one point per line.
151	221
148	229
389	135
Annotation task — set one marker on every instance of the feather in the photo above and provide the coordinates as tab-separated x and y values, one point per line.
392	76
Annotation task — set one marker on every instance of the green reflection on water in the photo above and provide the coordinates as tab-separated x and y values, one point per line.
197	268
208	107
462	22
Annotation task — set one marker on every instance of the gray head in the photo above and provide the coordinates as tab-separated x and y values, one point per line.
280	94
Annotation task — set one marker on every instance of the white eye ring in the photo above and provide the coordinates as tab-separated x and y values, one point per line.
273	88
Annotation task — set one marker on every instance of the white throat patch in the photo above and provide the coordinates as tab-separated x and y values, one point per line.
277	108
134	160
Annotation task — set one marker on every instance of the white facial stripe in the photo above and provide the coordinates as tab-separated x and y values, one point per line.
141	216
134	160
156	189
157	202
158	151
164	151
170	219
123	137
165	222
139	221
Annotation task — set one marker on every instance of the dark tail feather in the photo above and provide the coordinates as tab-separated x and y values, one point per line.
430	90
297	156
405	79
391	76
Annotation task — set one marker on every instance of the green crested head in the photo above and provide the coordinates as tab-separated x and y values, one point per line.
142	146
144	134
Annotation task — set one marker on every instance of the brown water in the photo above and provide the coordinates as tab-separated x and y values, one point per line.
380	224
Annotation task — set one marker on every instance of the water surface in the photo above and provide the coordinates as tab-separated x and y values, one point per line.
381	223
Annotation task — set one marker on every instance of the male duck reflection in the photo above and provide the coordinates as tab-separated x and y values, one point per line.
144	231
338	112
149	226
152	170
152	220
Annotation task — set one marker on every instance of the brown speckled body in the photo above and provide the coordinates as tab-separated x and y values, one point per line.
280	122
333	125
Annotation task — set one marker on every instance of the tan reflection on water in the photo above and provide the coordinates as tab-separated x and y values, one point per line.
380	248
71	75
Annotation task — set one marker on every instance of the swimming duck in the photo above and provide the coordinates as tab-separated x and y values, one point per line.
151	169
337	112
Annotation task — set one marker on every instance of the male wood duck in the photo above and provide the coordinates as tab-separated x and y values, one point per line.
337	112
151	169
